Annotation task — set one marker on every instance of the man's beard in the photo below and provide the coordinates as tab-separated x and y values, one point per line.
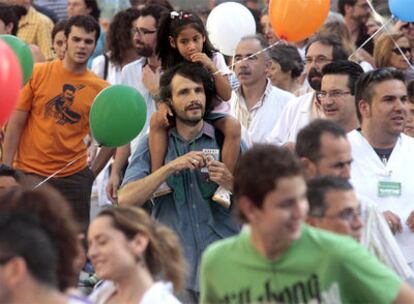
144	50
314	83
186	120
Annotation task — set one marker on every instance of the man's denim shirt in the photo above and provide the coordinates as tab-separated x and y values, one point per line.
189	210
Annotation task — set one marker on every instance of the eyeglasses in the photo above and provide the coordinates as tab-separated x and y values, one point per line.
142	31
406	26
404	50
319	60
332	94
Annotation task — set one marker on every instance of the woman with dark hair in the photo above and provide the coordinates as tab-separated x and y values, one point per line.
119	46
56	216
130	250
120	51
91	8
286	67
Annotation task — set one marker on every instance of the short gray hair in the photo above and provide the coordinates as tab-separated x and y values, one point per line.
262	41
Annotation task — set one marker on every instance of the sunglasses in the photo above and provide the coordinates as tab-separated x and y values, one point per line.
407	25
404	50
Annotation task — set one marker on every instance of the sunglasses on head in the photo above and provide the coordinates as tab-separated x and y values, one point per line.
404	50
407	25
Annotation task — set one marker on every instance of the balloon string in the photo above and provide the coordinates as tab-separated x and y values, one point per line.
389	32
369	39
58	171
250	56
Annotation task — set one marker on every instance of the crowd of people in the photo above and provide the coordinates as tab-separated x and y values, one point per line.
278	175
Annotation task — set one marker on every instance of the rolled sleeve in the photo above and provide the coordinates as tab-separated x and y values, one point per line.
140	165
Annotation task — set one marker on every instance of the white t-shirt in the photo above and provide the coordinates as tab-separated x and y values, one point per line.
131	75
114	72
218	59
160	292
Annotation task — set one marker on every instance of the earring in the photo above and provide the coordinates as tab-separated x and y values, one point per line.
138	259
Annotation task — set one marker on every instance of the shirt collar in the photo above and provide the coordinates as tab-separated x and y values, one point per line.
207	130
266	92
29	18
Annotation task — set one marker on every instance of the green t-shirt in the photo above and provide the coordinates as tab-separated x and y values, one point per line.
320	267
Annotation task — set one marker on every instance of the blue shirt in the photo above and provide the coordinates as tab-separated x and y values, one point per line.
189	210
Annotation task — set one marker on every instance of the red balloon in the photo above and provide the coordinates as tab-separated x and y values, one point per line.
10	81
295	20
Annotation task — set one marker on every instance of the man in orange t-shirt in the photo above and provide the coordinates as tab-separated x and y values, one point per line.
48	129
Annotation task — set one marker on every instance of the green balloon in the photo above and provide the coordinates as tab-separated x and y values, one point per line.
117	116
23	53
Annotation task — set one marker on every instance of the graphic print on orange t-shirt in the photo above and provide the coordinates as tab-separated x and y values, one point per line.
59	107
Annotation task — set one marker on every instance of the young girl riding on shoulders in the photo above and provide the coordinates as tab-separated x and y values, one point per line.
182	37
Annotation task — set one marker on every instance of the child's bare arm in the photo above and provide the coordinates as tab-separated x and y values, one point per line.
221	82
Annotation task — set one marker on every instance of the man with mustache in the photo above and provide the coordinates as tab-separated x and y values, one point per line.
143	75
256	103
383	156
337	95
189	210
320	51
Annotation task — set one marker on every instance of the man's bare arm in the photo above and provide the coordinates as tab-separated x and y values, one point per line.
406	294
139	191
14	130
101	159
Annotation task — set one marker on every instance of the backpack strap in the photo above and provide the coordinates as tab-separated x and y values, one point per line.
106	66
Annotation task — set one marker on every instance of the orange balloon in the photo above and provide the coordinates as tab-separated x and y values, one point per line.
295	20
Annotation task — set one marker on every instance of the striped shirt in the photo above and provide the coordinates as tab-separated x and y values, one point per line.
58	6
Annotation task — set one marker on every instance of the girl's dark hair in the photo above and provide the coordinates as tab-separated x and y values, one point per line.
170	26
119	39
12	14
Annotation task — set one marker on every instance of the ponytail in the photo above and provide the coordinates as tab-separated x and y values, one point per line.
164	256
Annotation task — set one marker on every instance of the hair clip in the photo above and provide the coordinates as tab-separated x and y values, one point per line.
174	15
180	15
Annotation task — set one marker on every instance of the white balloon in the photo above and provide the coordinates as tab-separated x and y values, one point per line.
227	23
